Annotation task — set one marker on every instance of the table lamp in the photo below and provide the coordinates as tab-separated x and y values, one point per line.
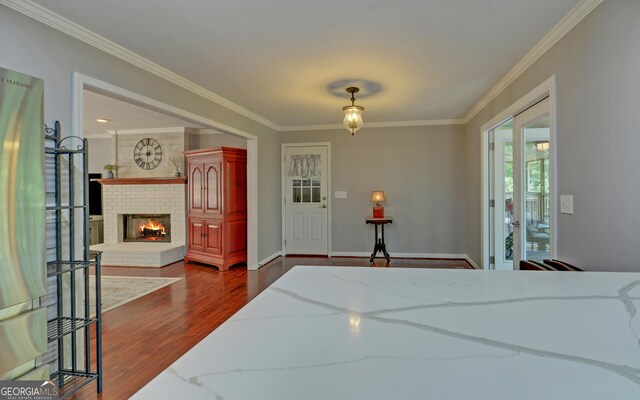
378	210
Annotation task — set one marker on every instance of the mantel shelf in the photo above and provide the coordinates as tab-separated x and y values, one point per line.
180	180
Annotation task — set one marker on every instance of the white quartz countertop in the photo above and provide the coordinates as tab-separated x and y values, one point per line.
374	333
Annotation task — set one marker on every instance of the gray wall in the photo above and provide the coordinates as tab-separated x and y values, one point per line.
433	193
38	50
597	66
205	141
421	170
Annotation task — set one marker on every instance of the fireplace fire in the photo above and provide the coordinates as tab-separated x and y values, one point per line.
147	228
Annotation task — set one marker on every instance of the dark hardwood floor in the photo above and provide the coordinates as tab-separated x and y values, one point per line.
143	337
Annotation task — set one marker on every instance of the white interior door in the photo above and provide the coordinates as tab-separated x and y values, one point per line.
306	207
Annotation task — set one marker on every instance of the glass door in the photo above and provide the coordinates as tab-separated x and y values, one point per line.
520	188
501	181
533	133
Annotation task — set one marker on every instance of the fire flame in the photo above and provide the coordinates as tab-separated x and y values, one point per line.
153	226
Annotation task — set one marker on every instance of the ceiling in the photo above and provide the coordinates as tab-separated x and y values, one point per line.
288	60
123	116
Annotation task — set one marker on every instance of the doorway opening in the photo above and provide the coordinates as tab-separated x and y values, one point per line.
84	84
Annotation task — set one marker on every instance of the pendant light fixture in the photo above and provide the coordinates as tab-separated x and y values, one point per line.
353	113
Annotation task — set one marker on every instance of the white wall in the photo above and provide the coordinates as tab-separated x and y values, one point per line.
35	49
422	172
100	154
597	66
172	144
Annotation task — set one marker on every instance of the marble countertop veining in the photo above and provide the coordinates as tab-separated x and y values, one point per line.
370	333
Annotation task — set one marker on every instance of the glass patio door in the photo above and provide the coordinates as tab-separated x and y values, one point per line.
501	208
520	187
532	228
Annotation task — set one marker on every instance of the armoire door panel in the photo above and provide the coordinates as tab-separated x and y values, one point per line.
213	188
213	242
196	234
196	188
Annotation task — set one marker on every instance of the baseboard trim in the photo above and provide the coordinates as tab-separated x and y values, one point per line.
470	261
401	255
444	256
269	259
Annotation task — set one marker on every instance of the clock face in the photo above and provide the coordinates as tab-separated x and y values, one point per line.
147	153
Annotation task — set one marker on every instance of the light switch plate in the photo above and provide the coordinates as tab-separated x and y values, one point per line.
340	195
566	203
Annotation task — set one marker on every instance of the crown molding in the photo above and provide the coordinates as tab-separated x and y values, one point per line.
577	14
389	124
98	136
150	131
64	25
58	22
208	131
109	133
146	131
572	19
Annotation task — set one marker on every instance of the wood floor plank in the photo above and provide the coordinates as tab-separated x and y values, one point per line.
145	336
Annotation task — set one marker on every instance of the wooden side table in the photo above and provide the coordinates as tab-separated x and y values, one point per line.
379	245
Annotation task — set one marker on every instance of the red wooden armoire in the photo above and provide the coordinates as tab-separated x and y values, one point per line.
217	206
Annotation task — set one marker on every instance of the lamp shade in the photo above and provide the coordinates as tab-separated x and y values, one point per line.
378	196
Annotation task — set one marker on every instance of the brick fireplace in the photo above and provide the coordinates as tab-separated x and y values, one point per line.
146	228
144	221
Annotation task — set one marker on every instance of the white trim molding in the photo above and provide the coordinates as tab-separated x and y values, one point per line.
109	133
577	14
391	124
436	256
471	262
98	135
428	256
546	88
62	24
151	131
444	256
270	258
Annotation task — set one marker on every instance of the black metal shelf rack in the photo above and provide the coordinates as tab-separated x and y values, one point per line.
74	312
69	381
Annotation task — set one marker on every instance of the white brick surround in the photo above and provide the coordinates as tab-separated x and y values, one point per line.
142	199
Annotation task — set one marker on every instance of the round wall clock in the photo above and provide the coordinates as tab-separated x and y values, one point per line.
147	153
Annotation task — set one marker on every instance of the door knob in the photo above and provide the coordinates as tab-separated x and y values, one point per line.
324	206
516	224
